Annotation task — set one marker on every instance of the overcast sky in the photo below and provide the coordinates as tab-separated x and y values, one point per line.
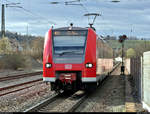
130	17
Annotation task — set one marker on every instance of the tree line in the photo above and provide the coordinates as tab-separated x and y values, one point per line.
108	37
18	36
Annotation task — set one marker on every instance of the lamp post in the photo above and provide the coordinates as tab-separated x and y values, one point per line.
121	40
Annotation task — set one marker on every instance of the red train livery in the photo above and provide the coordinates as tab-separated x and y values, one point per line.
69	59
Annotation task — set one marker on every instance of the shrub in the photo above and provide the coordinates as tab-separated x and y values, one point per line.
14	61
37	48
5	46
131	53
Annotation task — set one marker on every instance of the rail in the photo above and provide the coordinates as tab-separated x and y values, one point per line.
43	103
114	67
15	90
12	86
74	102
19	76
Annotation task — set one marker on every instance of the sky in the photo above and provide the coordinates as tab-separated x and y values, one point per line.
36	17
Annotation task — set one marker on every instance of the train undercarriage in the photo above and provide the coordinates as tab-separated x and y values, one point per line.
71	81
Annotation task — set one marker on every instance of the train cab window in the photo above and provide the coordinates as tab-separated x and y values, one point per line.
69	43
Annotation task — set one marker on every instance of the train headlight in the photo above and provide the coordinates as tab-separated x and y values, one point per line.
48	65
89	65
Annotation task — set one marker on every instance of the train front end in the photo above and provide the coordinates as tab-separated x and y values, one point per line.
69	58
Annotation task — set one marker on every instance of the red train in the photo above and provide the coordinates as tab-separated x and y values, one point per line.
70	58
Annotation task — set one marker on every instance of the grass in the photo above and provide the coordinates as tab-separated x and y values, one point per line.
128	43
139	46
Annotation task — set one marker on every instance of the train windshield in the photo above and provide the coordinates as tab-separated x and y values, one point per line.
69	46
69	43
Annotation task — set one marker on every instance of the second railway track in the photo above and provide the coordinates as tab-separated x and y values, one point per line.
12	88
18	87
5	78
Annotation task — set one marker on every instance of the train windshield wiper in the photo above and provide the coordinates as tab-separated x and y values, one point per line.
68	52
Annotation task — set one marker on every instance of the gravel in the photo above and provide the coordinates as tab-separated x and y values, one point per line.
9	72
19	101
133	94
109	97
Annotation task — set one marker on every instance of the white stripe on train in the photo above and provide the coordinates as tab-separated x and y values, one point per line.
49	79
84	79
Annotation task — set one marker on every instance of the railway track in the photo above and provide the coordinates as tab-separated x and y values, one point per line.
19	87
61	103
5	78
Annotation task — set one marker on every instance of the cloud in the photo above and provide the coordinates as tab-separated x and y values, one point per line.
117	18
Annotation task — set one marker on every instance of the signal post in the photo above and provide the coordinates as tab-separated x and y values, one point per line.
121	40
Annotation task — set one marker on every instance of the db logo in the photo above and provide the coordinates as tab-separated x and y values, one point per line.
68	66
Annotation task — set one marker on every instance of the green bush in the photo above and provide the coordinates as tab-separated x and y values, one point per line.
131	53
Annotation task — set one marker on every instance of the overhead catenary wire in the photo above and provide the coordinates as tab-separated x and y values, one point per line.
79	3
15	5
73	2
37	15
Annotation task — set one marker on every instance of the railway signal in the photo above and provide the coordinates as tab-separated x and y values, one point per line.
121	40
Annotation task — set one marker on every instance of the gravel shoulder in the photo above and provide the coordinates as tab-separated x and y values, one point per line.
8	72
110	97
132	102
114	95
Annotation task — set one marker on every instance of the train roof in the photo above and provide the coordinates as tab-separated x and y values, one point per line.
73	28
